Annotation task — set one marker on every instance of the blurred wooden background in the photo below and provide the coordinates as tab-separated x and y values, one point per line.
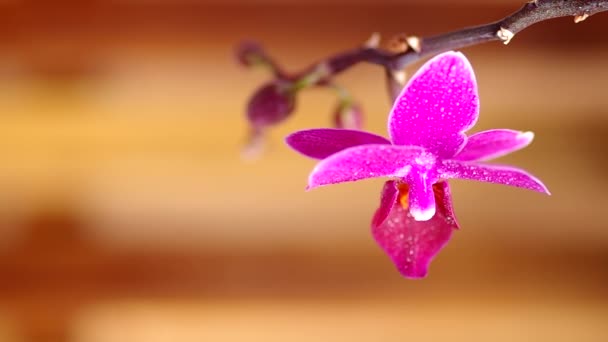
128	214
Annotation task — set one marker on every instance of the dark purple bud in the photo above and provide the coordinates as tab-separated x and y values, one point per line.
250	53
271	104
348	116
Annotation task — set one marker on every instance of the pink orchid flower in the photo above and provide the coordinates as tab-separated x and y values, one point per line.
427	146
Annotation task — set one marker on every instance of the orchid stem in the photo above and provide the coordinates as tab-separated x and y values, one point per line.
503	30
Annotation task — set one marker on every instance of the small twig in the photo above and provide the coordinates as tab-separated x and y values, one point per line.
502	30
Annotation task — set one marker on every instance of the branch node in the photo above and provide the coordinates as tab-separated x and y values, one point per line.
505	35
415	43
580	17
399	76
399	44
373	42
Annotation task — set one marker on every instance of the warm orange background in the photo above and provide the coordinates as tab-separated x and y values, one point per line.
128	215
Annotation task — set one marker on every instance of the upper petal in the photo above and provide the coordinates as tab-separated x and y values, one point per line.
438	104
492	174
493	144
321	143
364	161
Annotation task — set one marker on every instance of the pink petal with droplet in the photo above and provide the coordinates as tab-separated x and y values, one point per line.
491	174
436	107
493	144
362	162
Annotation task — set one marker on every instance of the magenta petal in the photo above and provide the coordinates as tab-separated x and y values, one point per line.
411	244
443	197
387	198
493	144
492	174
438	104
365	161
322	143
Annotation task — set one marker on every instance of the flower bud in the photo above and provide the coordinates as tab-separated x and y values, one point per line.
271	104
348	116
250	53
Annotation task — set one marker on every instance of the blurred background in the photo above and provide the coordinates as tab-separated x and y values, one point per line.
128	215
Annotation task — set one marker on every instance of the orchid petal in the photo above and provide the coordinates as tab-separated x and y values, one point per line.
443	198
438	104
493	144
411	244
364	161
492	174
321	143
387	198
